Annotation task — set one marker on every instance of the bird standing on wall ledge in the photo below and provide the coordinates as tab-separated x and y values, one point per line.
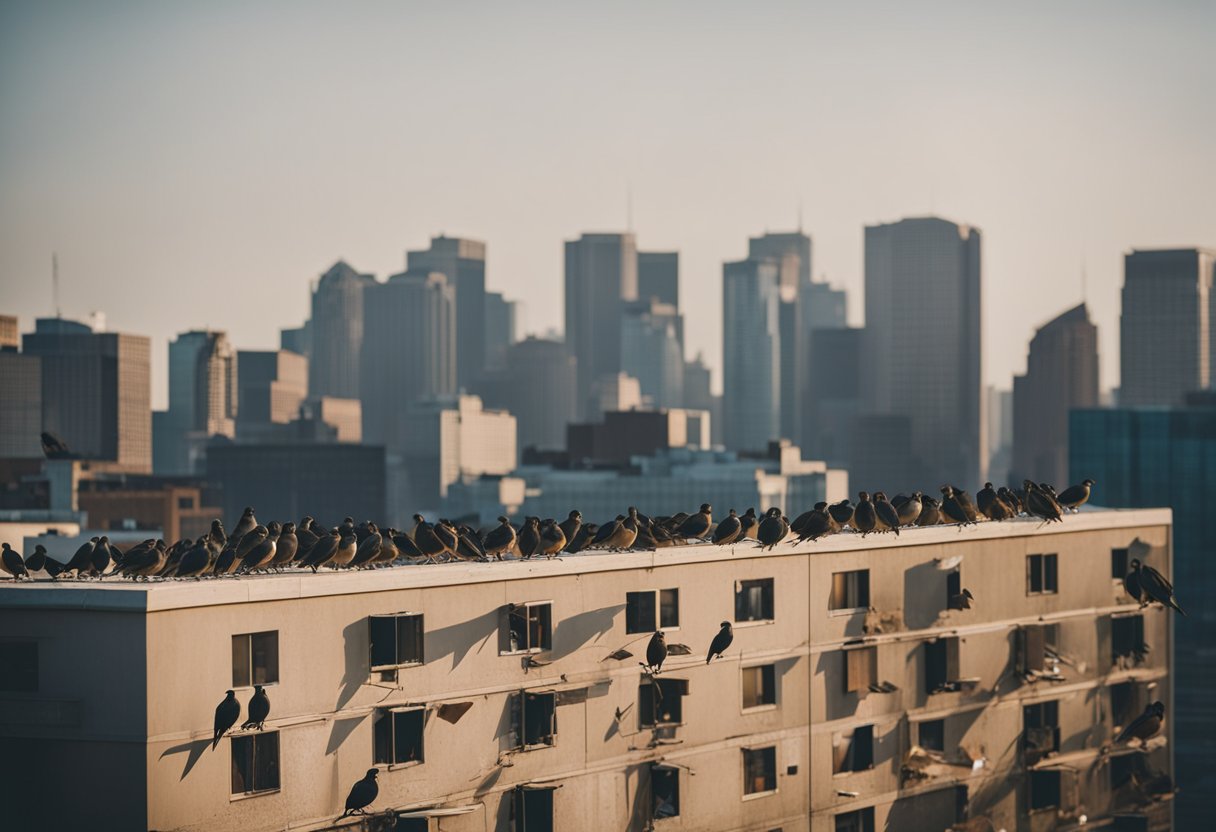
1146	584
500	539
226	715
865	519
571	525
656	652
698	525
773	528
748	525
1075	496
1144	726
888	517
244	526
721	642
728	530
13	563
259	709
362	794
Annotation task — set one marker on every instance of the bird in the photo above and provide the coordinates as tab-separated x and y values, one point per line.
1075	496
818	523
103	556
529	537
992	506
37	561
286	546
615	535
865	519
968	505
571	525
254	538
13	563
552	539
500	539
306	537
322	552
195	561
697	525
749	523
952	509
1041	504
369	548
362	794
722	640
645	541
930	512
728	530
984	498
261	555
216	533
841	512
773	528
406	545
347	546
428	542
82	561
245	525
886	512
586	534
909	510
151	563
1145	582
259	709
1144	726
55	448
961	601
656	652
1010	499
226	715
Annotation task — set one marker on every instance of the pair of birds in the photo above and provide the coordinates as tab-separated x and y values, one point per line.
229	711
657	649
767	532
1146	585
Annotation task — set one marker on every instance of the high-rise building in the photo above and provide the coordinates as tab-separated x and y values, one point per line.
297	339
463	263
499	329
834	403
601	278
791	251
203	401
96	391
538	387
273	384
659	276
618	391
699	395
751	359
1166	348
409	350
20	404
336	332
922	343
1061	374
1000	435
651	351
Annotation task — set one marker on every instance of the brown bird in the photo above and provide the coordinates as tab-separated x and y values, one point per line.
728	530
697	525
500	539
1075	496
552	539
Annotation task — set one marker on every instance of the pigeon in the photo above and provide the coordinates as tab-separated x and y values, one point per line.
865	519
697	525
728	530
13	563
841	512
37	561
259	709
1075	496
721	641
773	529
362	794
571	525
1144	726
82	561
909	510
226	715
501	539
1146	584
656	652
818	523
887	515
749	523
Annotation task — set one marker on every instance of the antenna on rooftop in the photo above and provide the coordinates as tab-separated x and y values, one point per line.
629	207
55	282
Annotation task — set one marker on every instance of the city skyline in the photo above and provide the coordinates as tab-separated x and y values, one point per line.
1068	149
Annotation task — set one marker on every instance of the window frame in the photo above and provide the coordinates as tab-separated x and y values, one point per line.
940	730
396	617
251	680
519	717
1043	773
546	640
951	659
391	715
33	674
1136	653
680	689
846	764
1046	713
672	772
253	739
746	757
864	818
519	807
861	688
664	610
768	601
1046	575
849	585
771	688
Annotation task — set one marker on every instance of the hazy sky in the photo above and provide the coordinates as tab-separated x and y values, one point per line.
198	164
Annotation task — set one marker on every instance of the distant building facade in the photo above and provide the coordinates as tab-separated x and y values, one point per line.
20	404
203	401
652	351
335	332
834	400
601	277
499	329
628	433
463	263
273	384
699	395
538	386
751	359
659	277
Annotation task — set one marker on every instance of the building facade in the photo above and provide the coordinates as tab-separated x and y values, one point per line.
463	263
659	277
499	329
335	332
273	384
652	351
538	387
601	277
492	696
20	405
751	354
203	401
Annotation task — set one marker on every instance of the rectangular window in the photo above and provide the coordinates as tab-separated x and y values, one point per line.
941	665
397	735
760	770
860	669
850	590
1041	730
1118	563
661	702
1032	649
651	610
1127	638
931	734
669	608
759	686
853	750
19	666
954	588
532	809
255	763
1041	575
861	820
754	600
665	788
534	716
1044	789
255	659
395	640
528	628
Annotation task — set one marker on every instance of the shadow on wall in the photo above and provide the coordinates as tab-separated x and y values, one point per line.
577	631
457	640
342	729
924	595
195	749
831	665
933	810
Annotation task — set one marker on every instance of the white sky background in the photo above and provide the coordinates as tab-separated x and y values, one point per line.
197	164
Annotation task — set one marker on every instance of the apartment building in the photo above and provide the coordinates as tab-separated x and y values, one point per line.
857	695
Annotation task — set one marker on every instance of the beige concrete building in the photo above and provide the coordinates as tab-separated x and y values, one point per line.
489	698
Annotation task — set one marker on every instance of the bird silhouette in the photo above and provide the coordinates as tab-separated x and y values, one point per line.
1075	496
722	640
259	709
1144	726
773	529
226	715
12	563
1146	584
656	652
728	531
362	794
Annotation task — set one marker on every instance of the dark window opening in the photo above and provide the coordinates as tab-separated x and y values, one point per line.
669	608
1044	789
850	590
754	600
1118	563
255	659
1041	730
255	763
529	628
412	825
941	665
19	666
931	735
395	640
860	669
185	502
535	719
760	770
665	789
1127	638
853	750
1124	703
861	820
954	584
398	736
1032	649
640	612
661	702
1041	576
759	686
1123	767
532	809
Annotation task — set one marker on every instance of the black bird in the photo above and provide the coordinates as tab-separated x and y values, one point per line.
259	709
82	561
529	537
54	447
662	536
801	520
571	525
1144	726
501	539
952	509
773	528
984	499
1075	496
13	563
886	512
448	535
322	552
216	534
53	567
749	524
1010	500
37	561
961	601
697	525
226	715
1146	584
306	537
347	546
865	519
362	794
818	524
930	512
721	641
1041	504
103	555
406	545
286	546
388	548
841	512
645	540
195	561
964	500
909	510
369	548
244	526
261	555
427	540
586	534
656	652
993	507
254	538
728	530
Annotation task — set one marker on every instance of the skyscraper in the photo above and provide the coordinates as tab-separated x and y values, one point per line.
96	391
820	307
751	360
698	395
20	403
273	385
203	401
336	332
1165	346
921	356
651	351
659	276
1061	374
537	386
463	263
499	328
601	277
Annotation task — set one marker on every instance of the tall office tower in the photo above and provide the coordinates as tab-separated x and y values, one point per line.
463	263
834	379
659	276
820	307
1000	435
601	277
273	385
651	351
1061	374
20	402
499	329
698	395
538	386
619	391
203	401
96	391
297	339
791	249
751	362
336	337
409	350
1165	344
921	356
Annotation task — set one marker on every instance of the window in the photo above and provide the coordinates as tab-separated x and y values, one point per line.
941	665
665	789
1127	638
395	640
641	609
255	763
408	824
1041	730
861	820
532	809
1124	703
255	659
397	735
528	628
759	686
860	669
850	590
754	600
760	770
19	666
954	587
931	734
853	750
1044	789
534	716
1041	575
1032	649
661	702
1118	563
